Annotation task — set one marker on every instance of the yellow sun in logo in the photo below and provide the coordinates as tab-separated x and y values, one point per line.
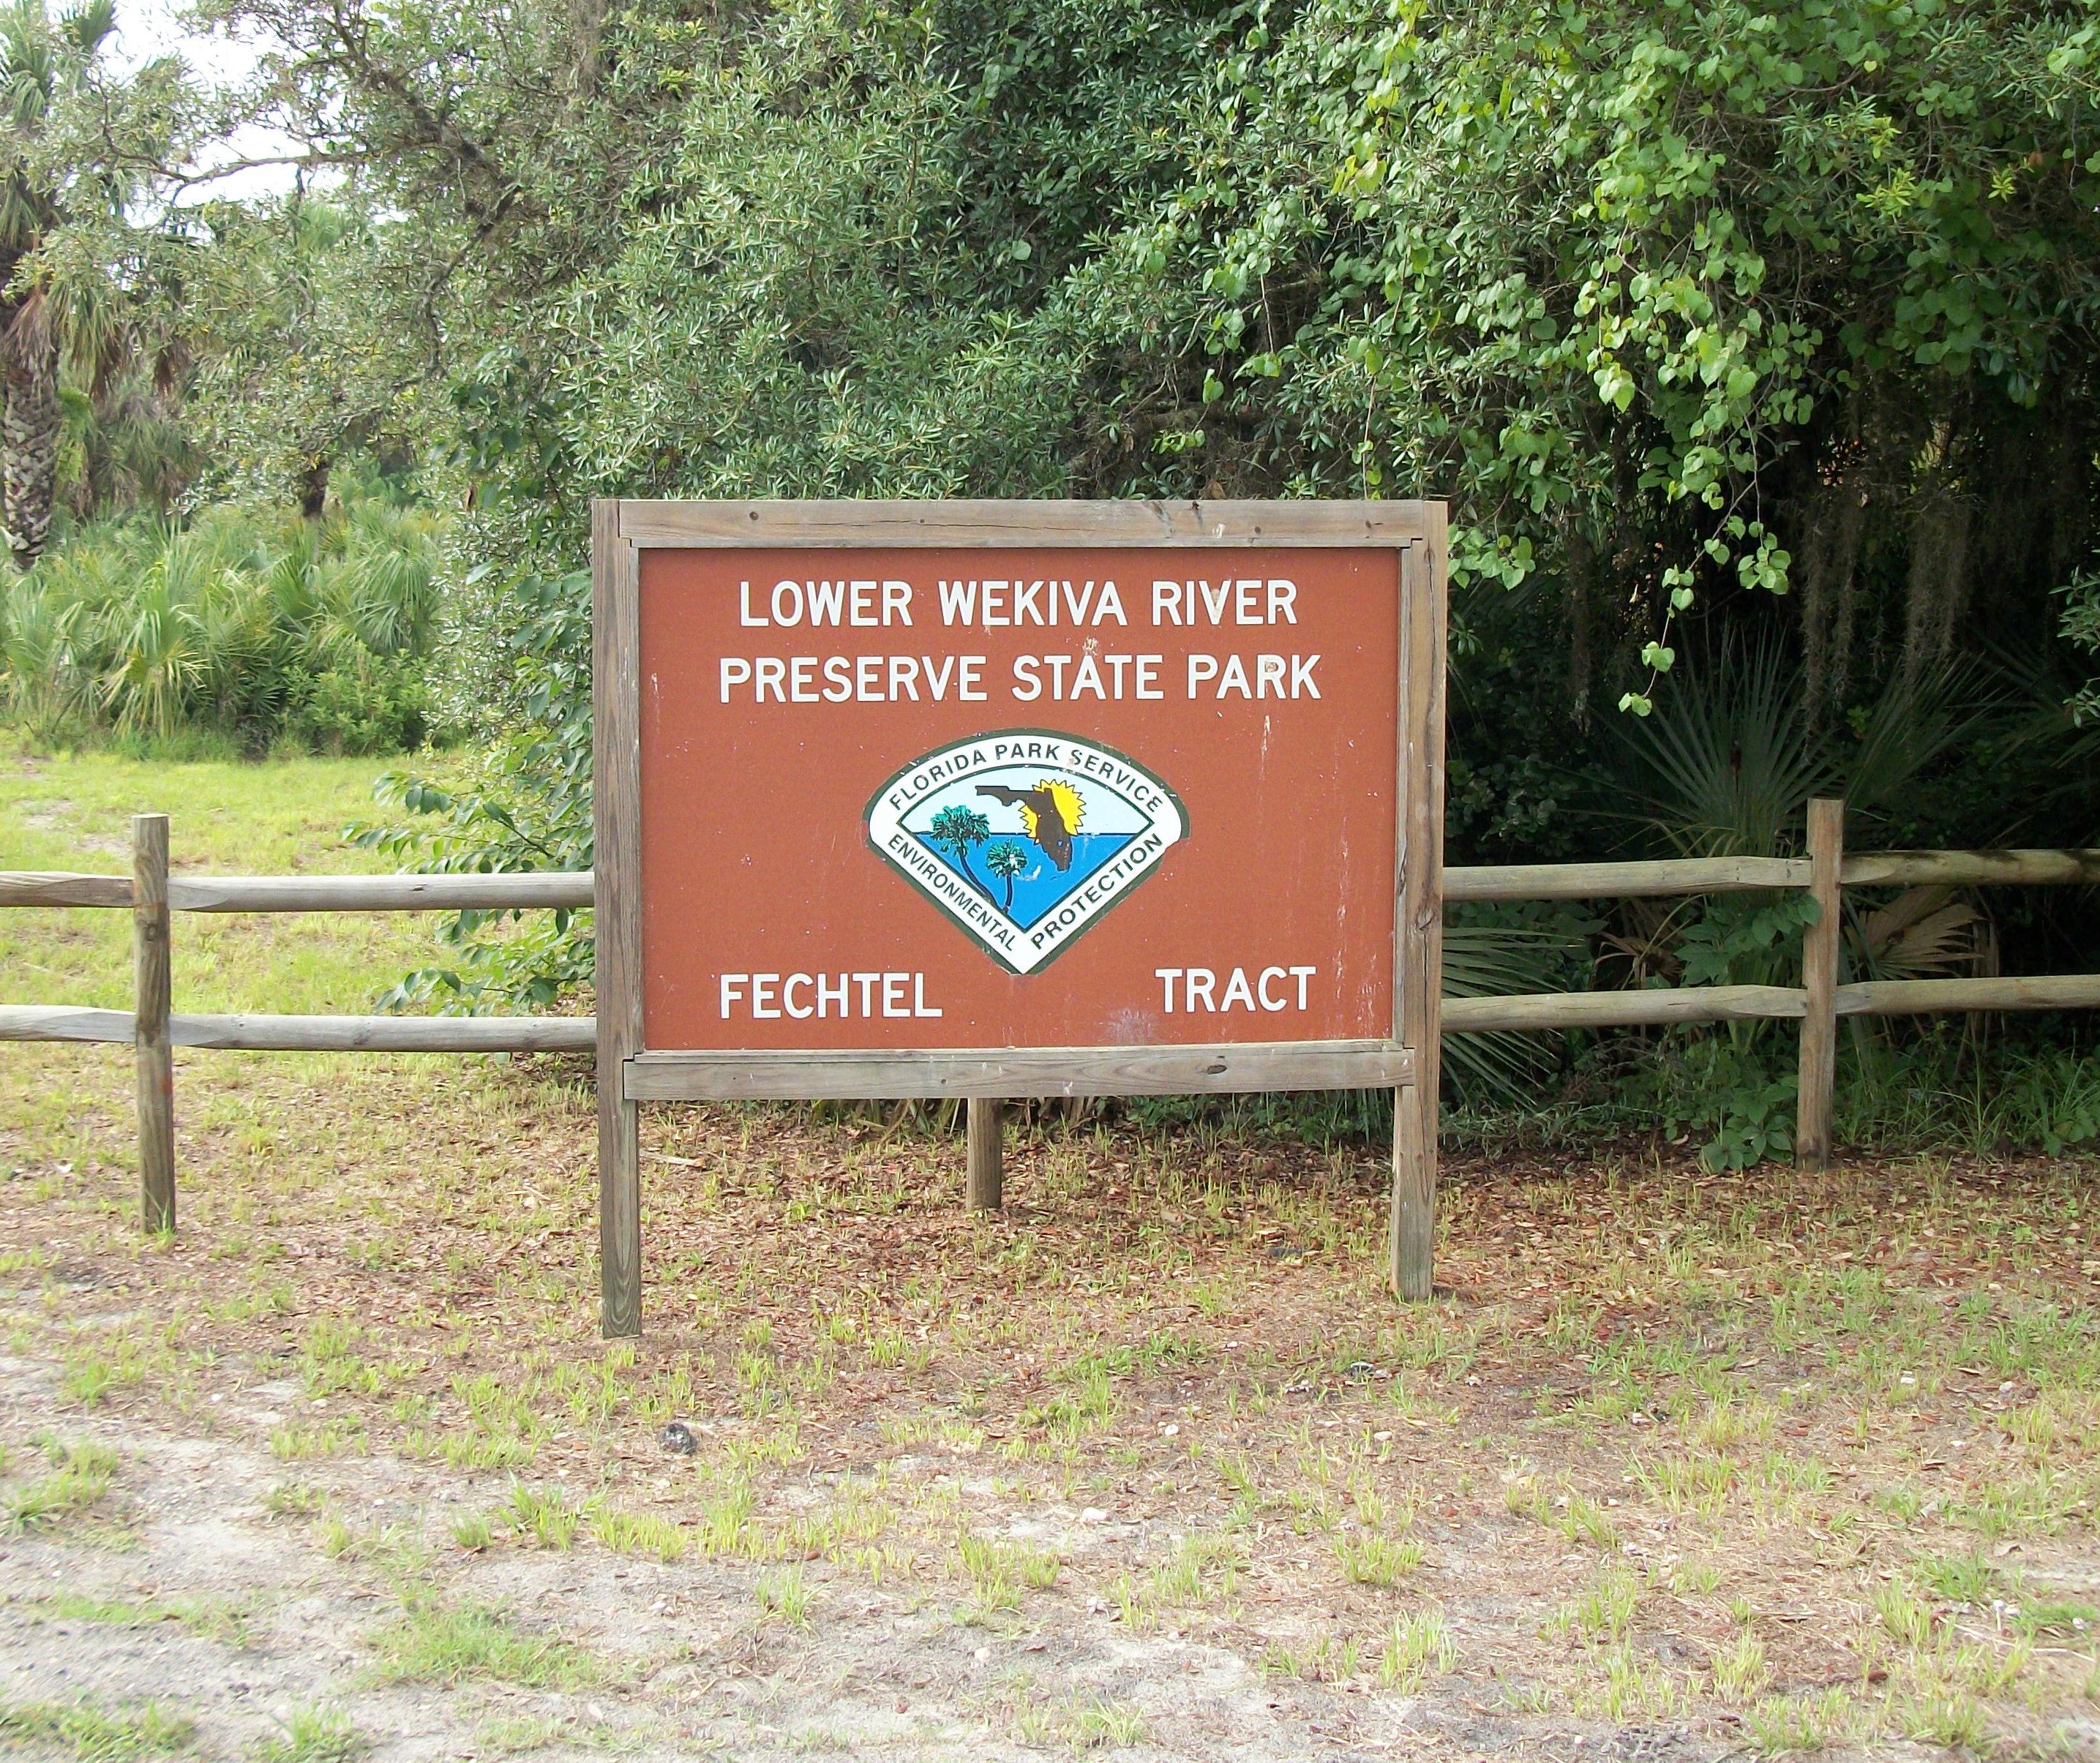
1070	805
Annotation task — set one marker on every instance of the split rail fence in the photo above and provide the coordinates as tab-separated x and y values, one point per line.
153	1028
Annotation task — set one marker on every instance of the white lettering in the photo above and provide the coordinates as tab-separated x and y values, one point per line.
828	603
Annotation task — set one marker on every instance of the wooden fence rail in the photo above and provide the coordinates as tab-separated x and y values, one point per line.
152	894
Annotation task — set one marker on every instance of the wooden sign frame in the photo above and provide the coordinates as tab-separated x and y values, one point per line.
630	1072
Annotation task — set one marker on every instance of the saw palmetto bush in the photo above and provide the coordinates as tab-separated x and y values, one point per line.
1725	767
259	628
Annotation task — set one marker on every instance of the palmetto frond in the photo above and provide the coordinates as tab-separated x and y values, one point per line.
86	27
1924	933
1726	766
1489	960
159	663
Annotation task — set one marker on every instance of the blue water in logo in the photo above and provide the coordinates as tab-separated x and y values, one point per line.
1041	886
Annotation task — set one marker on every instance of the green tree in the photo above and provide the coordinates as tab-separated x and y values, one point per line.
959	828
1006	860
308	350
77	142
1682	304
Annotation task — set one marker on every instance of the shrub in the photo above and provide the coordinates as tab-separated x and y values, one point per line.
254	625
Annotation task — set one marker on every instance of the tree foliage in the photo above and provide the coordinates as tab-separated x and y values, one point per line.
1753	344
1673	300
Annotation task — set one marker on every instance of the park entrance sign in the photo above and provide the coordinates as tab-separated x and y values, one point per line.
1000	799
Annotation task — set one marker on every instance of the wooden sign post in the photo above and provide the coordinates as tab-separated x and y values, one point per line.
1000	799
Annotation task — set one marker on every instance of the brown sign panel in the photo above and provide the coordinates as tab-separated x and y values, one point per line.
1020	796
1009	798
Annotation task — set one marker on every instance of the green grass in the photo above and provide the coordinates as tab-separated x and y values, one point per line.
314	1735
637	1533
79	1478
91	1735
263	817
1367	1559
1782	1725
452	1644
542	1517
213	1618
998	1570
1603	1612
782	1592
1081	1723
1415	1646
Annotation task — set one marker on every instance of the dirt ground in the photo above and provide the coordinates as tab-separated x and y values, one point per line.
1677	1465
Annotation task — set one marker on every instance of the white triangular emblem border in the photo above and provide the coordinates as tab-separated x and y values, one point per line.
1021	951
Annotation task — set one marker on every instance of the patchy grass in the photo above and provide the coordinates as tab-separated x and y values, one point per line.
77	1479
1415	1647
1082	1723
1667	1444
214	1618
91	1734
450	1644
785	1593
314	1735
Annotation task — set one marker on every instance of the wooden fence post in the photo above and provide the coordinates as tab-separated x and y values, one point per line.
987	1154
152	1056
1820	946
616	809
1418	916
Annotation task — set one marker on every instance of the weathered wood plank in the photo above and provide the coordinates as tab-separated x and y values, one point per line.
379	893
1904	997
152	1061
616	810
674	1076
1621	881
1011	524
65	1022
1819	980
1418	912
985	1183
60	887
322	1034
1973	868
1606	1010
386	1035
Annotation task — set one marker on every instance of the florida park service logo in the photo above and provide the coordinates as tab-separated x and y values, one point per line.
1024	836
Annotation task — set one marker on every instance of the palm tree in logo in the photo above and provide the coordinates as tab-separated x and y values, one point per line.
961	827
1006	860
